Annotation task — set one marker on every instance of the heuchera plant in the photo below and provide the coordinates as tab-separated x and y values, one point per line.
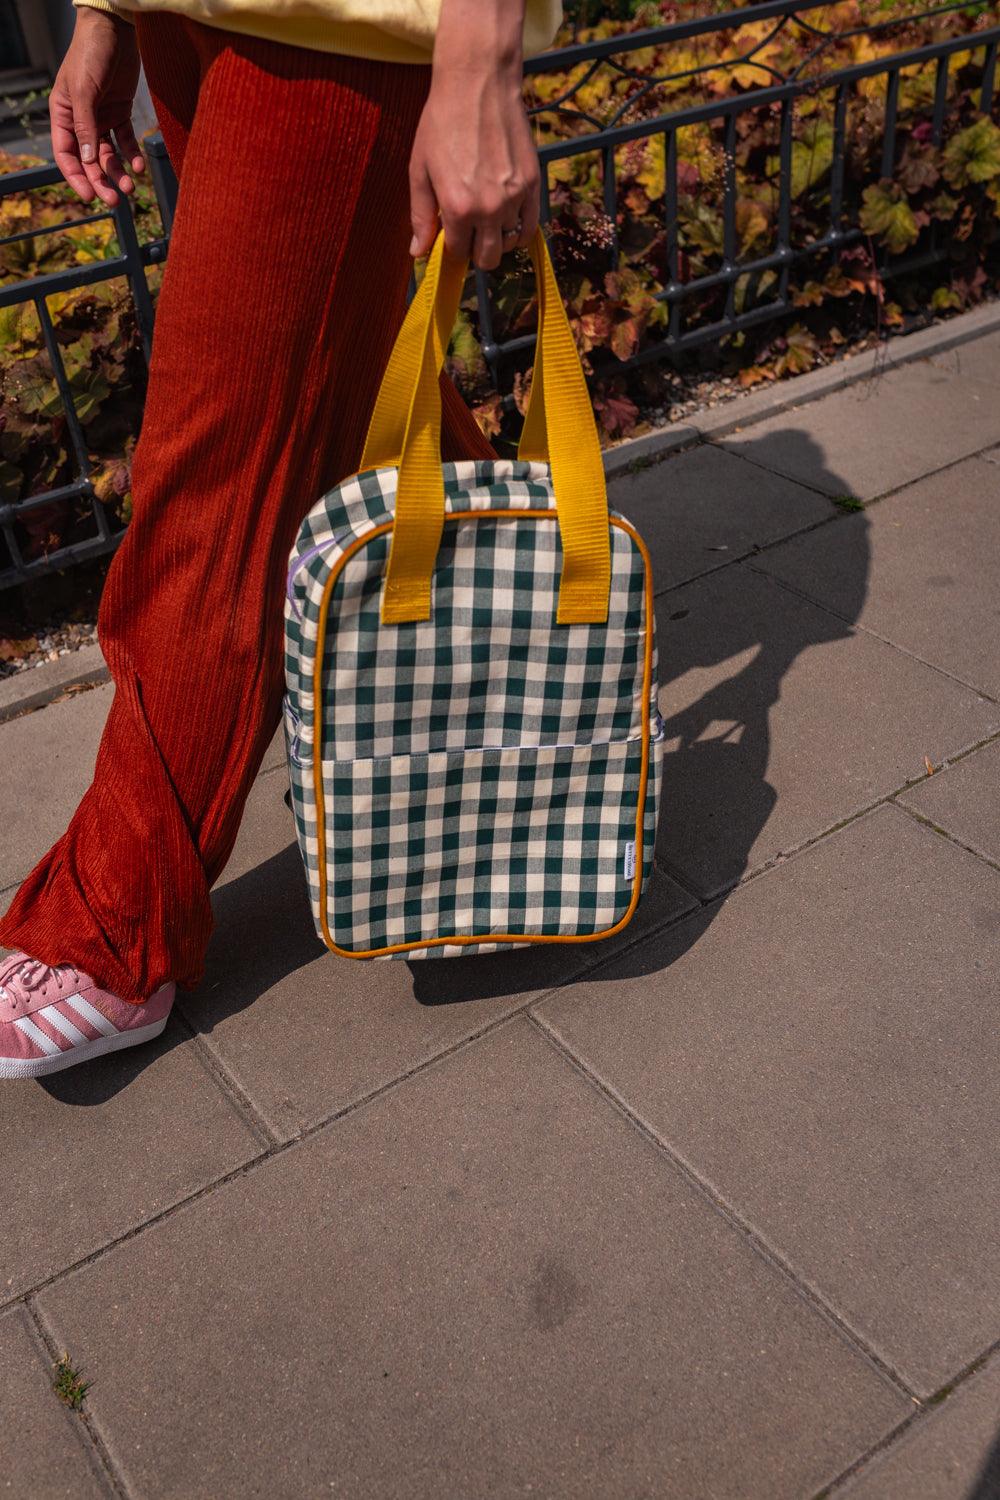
96	330
945	196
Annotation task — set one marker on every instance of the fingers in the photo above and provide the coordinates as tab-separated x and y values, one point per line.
454	208
423	208
128	147
65	147
530	206
111	165
459	225
502	226
94	150
489	243
516	209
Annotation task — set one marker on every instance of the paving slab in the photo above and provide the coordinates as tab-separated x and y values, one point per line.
782	720
51	680
824	1053
951	1454
884	432
979	359
306	1033
932	578
963	800
699	510
91	1152
483	1283
48	764
43	1451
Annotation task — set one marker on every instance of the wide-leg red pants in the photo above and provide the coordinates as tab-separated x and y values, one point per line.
283	291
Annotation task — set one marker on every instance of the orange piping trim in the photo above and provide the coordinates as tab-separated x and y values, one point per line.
318	798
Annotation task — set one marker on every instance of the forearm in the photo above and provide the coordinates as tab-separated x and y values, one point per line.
480	35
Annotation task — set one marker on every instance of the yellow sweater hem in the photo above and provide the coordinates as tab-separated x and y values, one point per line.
318	33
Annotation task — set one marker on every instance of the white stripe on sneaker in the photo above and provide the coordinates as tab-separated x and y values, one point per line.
37	1035
89	1013
58	1021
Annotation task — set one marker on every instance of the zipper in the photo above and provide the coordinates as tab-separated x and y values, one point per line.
305	558
348	534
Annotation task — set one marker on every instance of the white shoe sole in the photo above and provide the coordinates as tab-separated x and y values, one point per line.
37	1067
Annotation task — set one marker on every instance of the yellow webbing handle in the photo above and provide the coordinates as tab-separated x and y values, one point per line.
405	429
559	426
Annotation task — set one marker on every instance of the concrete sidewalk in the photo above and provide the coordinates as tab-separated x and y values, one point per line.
706	1213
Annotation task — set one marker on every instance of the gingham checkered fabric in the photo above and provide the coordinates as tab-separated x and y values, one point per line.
481	771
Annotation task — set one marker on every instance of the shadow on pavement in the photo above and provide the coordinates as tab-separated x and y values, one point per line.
715	797
987	1486
715	800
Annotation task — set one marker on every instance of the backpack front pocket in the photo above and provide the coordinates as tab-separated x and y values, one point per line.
483	847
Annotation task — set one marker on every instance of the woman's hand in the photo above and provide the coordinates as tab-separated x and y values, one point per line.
91	98
474	166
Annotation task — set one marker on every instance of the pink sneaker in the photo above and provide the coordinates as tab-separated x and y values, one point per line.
52	1018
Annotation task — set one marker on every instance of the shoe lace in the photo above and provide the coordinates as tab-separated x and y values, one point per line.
21	977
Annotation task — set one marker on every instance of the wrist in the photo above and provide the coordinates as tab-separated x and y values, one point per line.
89	15
482	39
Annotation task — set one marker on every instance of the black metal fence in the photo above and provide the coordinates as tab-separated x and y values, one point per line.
131	262
635	117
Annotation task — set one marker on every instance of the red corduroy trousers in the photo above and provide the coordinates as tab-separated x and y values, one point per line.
284	288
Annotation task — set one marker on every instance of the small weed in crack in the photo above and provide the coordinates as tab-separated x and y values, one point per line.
69	1385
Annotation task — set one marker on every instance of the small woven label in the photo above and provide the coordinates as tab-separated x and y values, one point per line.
628	870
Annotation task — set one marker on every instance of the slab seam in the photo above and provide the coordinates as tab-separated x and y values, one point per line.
95	1442
753	550
773	473
888	494
856	625
794	850
951	838
726	1211
282	1145
244	1169
235	1095
926	1411
590	970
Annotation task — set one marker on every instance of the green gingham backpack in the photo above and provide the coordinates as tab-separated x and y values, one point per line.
473	739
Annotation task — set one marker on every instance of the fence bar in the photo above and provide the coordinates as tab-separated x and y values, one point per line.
989	78
164	180
940	100
32	234
784	248
59	372
670	210
610	186
891	110
136	273
839	158
490	347
729	249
